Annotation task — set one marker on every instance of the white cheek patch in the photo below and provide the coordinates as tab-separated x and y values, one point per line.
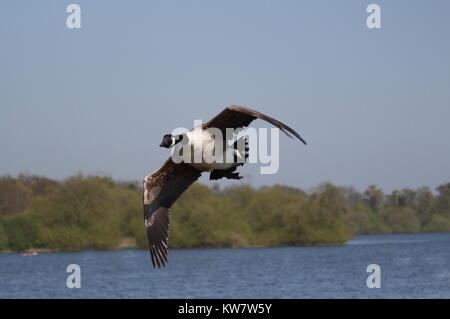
173	141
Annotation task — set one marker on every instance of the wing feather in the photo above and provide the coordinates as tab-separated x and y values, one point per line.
161	189
239	116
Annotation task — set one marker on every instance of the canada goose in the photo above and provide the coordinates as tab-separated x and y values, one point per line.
163	186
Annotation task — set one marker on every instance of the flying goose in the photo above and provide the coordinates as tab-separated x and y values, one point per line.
163	186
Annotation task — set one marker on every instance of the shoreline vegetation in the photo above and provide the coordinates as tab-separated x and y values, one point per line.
98	213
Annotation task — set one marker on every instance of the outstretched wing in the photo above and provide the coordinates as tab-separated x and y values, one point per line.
239	116
161	189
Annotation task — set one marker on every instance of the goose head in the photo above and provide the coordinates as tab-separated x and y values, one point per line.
170	140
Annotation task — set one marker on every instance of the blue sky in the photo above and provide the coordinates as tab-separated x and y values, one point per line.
374	105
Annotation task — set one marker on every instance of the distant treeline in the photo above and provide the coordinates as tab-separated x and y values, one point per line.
100	213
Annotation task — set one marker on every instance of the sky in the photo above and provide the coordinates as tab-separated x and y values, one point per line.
373	104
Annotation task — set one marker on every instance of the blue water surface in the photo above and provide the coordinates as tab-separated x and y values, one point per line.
412	266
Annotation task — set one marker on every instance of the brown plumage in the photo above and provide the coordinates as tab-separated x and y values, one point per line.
165	185
240	116
161	189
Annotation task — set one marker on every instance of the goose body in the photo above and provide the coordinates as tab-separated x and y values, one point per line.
201	141
163	186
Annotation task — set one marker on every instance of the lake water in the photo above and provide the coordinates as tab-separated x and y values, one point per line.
412	266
